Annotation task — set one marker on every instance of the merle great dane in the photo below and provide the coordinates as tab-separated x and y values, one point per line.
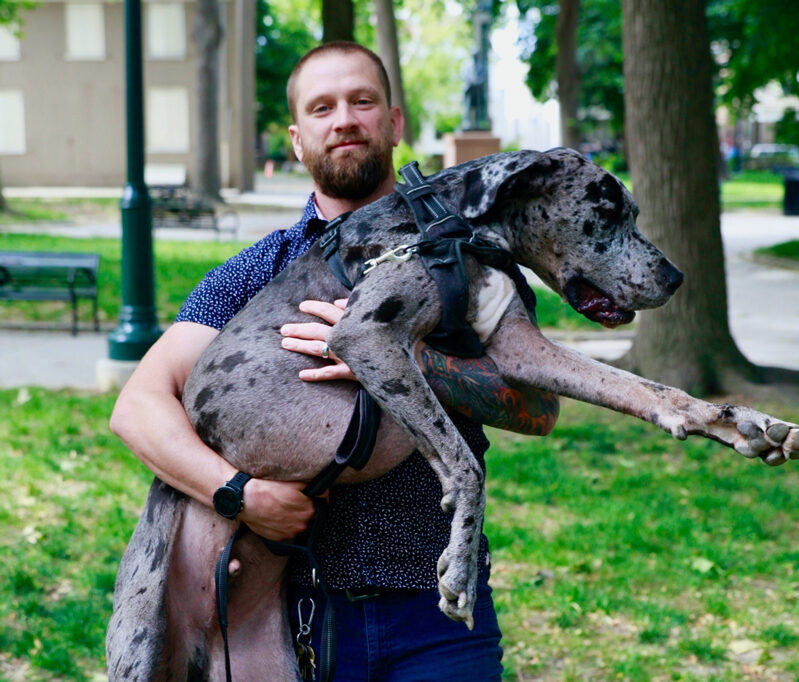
570	222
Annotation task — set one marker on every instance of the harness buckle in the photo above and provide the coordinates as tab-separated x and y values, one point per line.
398	255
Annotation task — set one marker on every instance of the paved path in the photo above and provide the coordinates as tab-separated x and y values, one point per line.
764	312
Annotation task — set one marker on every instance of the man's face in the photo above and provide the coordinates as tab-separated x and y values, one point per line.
345	131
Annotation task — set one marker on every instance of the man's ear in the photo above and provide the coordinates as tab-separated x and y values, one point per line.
397	124
296	141
520	175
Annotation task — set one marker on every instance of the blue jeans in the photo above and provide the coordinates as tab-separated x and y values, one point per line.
401	636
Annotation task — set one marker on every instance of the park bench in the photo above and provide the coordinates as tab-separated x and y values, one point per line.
33	276
180	207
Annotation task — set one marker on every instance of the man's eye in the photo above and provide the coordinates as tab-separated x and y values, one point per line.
364	101
321	109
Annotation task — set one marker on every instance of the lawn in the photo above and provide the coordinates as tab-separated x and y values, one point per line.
752	189
618	553
179	266
787	250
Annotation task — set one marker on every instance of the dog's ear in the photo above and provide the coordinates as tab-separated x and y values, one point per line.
520	176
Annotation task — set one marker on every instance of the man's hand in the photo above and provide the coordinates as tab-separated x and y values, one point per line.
311	337
276	510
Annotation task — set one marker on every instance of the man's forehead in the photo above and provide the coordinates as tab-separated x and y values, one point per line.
332	73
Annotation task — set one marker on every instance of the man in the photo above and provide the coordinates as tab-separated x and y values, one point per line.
381	540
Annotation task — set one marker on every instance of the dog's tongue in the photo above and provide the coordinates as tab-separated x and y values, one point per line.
596	306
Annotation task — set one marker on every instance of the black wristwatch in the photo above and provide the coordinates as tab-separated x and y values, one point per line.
229	499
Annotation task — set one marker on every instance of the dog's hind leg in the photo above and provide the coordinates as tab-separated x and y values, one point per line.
258	630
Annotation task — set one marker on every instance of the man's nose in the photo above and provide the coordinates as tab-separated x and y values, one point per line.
344	117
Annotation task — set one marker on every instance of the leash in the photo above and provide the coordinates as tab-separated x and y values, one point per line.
354	451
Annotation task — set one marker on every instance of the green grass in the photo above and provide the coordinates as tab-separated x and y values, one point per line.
179	266
59	210
618	553
621	554
752	189
787	250
746	190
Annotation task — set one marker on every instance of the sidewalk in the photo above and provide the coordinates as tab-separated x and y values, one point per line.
763	300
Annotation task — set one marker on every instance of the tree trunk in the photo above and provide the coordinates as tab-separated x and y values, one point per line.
208	35
673	156
338	20
388	46
568	73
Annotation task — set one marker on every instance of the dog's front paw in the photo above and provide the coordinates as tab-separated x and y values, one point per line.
754	434
457	584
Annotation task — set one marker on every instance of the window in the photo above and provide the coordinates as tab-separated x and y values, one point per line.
9	44
85	26
166	31
167	120
12	122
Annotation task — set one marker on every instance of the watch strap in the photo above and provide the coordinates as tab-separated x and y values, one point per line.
238	481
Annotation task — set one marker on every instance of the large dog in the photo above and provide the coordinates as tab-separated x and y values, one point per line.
569	221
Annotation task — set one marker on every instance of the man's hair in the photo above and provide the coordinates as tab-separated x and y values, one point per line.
341	47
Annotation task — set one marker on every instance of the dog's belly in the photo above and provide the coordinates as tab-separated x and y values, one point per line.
245	400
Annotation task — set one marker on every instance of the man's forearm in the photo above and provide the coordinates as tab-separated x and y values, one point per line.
473	387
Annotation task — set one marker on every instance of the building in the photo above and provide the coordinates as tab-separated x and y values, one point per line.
62	94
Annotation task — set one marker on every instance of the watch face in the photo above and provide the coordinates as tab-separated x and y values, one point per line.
227	502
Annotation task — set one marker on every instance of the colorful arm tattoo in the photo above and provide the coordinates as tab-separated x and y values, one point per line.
473	387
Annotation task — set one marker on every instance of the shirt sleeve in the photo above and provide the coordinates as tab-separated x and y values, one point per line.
225	290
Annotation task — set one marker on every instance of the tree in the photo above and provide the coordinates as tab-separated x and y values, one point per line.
592	77
388	45
338	20
672	148
208	36
568	73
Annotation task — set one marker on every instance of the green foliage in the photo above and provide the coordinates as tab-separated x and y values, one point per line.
282	37
599	57
11	10
787	128
754	43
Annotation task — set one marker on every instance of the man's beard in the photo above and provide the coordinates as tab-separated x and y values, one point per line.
356	173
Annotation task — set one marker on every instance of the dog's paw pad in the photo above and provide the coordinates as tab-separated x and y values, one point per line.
776	433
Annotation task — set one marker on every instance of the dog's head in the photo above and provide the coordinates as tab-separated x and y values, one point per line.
573	224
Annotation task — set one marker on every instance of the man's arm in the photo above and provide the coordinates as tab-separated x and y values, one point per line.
472	386
150	420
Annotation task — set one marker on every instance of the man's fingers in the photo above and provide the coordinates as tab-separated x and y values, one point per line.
307	347
337	371
306	330
327	311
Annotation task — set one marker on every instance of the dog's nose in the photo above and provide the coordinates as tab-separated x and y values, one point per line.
671	276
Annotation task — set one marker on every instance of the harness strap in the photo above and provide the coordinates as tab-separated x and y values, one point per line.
356	446
329	243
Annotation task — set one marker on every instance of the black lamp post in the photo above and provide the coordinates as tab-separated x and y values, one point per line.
138	326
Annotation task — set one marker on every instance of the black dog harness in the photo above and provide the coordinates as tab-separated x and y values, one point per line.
445	237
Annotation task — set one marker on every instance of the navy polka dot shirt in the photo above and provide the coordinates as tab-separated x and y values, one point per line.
388	532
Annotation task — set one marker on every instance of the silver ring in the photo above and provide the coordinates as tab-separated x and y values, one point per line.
325	351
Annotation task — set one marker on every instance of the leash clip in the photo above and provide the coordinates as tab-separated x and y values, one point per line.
398	255
305	627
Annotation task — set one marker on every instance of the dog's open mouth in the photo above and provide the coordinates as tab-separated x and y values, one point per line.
587	300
